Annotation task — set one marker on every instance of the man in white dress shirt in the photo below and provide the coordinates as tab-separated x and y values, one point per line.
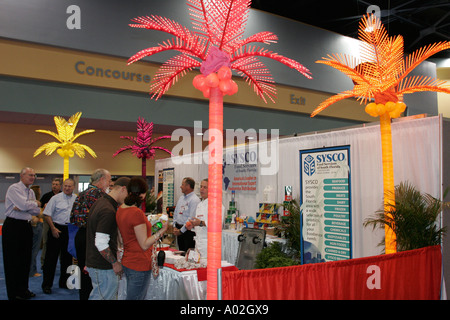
57	215
185	210
21	209
200	222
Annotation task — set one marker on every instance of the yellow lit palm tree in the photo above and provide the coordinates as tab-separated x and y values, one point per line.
66	147
381	75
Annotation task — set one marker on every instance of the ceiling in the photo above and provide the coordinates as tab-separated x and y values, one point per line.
419	22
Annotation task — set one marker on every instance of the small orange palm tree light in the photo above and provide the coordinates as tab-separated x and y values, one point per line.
66	147
380	75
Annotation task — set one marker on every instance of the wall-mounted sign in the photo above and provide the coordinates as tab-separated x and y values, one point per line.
89	70
293	99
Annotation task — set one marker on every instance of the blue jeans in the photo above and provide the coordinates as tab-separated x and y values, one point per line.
137	283
105	284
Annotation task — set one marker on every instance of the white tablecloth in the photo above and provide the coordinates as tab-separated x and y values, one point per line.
175	285
171	285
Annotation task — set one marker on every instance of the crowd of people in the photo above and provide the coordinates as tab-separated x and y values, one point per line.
88	229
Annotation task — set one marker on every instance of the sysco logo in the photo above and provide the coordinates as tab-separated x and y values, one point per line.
330	157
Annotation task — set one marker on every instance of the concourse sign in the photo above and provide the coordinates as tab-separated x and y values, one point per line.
325	204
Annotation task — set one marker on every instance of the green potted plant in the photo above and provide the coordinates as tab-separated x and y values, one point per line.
150	202
273	256
290	226
413	218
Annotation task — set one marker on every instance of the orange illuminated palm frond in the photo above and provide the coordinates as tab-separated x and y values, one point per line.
381	71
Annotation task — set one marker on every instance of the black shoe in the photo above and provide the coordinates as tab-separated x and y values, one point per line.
47	290
30	294
25	296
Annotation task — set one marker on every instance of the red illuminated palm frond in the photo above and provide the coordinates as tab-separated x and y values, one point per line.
194	46
170	72
218	24
262	37
222	22
143	147
252	51
381	72
255	72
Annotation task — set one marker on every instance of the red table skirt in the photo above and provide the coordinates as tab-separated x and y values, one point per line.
414	274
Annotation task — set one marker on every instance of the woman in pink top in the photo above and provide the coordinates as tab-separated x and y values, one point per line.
136	232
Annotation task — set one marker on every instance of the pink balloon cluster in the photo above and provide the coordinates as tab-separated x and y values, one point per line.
221	79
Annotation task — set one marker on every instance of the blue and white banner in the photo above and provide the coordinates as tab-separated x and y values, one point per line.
325	204
240	169
168	188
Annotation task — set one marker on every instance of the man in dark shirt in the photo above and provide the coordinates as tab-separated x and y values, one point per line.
100	180
101	243
56	188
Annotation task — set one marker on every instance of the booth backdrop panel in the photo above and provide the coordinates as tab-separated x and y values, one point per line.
417	147
414	274
417	159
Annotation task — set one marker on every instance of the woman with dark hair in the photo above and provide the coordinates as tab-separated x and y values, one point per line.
136	232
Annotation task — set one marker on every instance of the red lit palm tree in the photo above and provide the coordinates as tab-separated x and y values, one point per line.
216	45
143	147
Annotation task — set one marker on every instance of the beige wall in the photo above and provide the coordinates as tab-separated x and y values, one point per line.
444	103
18	143
46	63
444	98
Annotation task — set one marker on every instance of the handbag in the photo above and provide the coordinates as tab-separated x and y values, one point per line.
158	258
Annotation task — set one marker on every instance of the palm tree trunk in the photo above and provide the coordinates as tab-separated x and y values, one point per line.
144	169
214	191
66	168
144	176
388	178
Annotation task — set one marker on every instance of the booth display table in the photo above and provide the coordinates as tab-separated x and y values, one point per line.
176	284
184	284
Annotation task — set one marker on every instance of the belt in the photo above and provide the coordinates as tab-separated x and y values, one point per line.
178	226
18	220
59	224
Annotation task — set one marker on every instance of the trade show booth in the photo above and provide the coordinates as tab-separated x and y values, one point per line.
418	149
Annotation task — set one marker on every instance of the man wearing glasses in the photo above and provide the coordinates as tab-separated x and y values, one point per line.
21	209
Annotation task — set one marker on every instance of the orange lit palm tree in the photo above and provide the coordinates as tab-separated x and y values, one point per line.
381	75
216	46
66	147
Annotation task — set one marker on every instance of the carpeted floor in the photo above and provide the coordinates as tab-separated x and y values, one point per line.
34	284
